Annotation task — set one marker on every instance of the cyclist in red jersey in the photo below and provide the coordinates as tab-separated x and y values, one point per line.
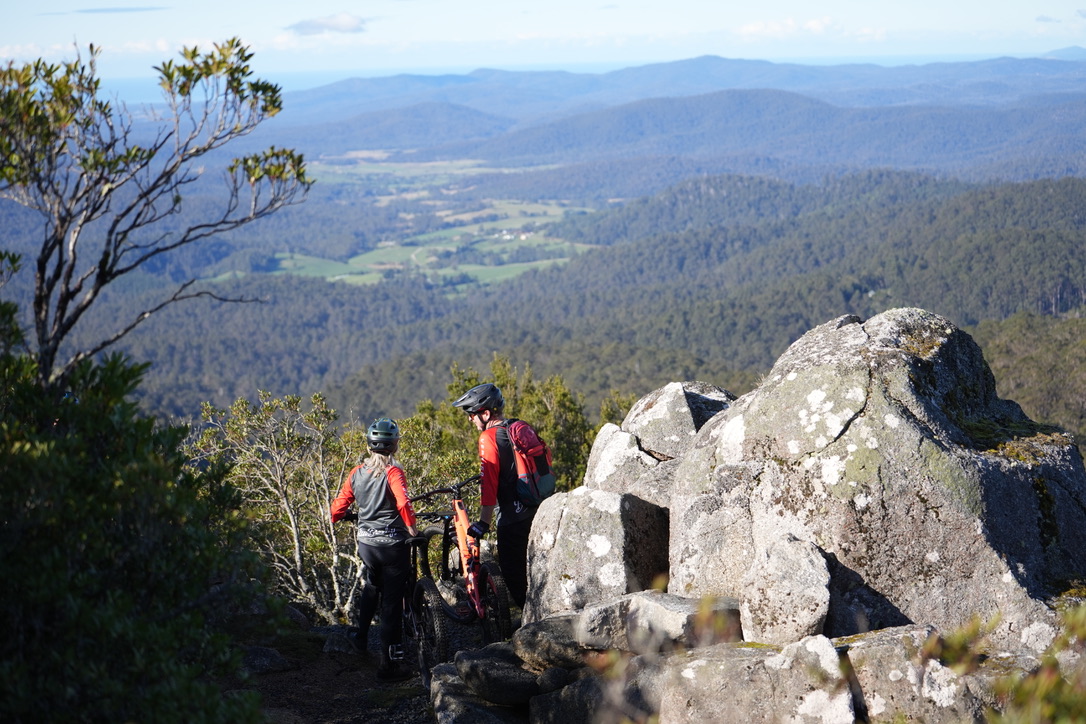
386	520
484	405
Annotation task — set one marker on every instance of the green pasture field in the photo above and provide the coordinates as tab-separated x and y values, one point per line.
500	228
493	274
367	168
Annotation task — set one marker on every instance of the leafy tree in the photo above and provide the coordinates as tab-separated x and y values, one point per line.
432	455
615	406
288	463
11	335
110	199
118	563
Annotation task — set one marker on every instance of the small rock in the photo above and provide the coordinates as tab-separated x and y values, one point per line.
496	674
553	679
264	660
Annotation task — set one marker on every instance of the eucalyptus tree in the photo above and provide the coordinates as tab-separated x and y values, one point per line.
110	196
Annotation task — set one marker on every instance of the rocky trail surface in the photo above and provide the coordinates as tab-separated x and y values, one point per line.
317	676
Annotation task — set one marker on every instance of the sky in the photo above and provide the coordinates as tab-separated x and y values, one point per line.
308	43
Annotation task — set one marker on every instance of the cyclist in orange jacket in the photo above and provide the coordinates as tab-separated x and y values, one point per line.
484	405
386	520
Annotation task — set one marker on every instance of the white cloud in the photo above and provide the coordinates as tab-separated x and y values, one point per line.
1046	19
769	29
120	10
339	23
788	28
869	35
159	46
21	50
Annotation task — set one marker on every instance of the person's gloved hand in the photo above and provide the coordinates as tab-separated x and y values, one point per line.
351	516
478	529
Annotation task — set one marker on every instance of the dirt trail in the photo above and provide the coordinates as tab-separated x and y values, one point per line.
341	689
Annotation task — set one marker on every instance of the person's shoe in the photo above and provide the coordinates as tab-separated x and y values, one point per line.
392	666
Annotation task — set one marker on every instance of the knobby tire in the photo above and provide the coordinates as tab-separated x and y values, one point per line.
429	533
433	634
497	623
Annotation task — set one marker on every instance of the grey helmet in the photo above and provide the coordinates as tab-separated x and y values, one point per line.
383	436
481	397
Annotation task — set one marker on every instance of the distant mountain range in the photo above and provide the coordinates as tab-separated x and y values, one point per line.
533	96
1007	118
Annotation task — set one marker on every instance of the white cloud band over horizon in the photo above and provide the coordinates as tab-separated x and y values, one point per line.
398	35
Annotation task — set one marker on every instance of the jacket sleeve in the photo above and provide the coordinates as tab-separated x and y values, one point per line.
343	500
397	483
490	462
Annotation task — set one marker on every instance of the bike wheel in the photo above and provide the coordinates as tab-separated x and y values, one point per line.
430	533
497	623
431	632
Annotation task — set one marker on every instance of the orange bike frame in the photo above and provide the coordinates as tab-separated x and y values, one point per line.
469	555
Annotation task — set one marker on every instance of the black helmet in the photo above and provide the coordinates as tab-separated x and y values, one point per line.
383	436
481	397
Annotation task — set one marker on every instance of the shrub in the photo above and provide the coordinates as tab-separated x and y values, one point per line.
117	561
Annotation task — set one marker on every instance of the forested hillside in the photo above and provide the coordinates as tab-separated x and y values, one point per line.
765	123
744	267
1037	361
731	298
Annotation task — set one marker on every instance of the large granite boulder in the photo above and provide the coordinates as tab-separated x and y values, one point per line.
592	545
883	445
617	464
893	678
654	621
871	495
886	675
640	457
803	683
666	420
788	595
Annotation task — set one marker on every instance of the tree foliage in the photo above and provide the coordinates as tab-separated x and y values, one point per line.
287	460
717	298
110	192
1036	360
119	564
288	457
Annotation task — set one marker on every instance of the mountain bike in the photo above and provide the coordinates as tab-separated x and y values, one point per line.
480	591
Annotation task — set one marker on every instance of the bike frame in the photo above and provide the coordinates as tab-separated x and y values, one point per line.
456	523
469	556
487	598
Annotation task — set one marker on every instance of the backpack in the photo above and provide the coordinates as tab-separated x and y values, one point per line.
535	478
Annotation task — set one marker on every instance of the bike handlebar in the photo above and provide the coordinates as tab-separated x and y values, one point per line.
450	490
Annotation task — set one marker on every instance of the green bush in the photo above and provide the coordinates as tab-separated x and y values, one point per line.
117	561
